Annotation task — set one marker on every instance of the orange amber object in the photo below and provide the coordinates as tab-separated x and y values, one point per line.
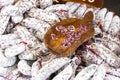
66	36
94	3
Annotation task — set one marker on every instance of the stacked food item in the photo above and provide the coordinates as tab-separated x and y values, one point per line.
23	52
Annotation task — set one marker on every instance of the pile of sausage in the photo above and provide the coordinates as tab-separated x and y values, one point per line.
23	55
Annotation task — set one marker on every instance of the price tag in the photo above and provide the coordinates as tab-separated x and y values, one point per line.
90	1
93	3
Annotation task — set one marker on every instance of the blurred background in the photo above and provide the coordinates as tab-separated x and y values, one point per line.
113	5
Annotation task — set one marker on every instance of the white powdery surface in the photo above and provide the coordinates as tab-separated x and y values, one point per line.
23	55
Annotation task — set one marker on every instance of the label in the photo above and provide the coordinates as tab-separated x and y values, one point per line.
90	1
